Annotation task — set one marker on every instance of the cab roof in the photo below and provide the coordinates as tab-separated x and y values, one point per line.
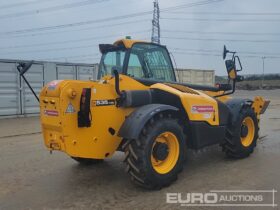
119	44
127	43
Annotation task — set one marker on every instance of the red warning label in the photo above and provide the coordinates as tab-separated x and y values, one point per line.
52	85
51	112
202	109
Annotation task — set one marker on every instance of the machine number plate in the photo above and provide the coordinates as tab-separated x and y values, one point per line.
108	102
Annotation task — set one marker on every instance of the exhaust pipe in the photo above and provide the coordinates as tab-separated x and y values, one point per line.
132	98
117	82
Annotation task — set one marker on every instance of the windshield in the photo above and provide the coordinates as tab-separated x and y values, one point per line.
109	60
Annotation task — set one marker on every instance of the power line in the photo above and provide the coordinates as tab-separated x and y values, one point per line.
57	49
107	19
25	3
220	19
197	50
224	33
82	23
68	41
219	55
229	13
220	51
222	40
50	50
188	5
201	54
74	30
51	9
95	56
75	56
144	20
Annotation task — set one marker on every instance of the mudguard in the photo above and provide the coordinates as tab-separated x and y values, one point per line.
134	123
235	106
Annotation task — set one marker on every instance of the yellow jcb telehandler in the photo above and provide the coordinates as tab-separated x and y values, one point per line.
137	107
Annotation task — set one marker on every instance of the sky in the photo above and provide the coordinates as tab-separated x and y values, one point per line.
194	31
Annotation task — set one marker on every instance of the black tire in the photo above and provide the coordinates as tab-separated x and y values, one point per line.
138	153
232	144
87	161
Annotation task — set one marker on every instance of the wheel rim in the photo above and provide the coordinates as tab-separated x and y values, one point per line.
247	139
164	163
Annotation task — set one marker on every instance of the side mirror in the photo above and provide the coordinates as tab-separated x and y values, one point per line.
24	67
225	52
231	69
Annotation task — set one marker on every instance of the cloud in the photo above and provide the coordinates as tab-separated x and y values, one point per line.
112	8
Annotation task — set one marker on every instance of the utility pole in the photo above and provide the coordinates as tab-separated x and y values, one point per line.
155	24
263	58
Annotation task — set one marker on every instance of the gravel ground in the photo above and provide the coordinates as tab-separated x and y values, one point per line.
31	178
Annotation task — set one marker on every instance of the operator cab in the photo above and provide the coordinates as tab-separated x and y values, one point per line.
150	63
139	60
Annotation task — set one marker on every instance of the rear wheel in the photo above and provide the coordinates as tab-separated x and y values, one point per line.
241	137
155	159
87	161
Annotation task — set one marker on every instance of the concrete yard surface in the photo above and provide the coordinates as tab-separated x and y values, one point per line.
32	178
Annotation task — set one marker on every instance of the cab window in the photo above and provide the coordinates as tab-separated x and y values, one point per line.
151	62
134	67
109	60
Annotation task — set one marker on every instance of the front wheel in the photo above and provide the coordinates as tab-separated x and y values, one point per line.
241	136
155	159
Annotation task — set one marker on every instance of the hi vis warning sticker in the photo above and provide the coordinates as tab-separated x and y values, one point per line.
51	113
70	109
52	85
202	109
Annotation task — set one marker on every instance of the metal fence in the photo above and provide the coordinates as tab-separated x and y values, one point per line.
196	76
16	98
